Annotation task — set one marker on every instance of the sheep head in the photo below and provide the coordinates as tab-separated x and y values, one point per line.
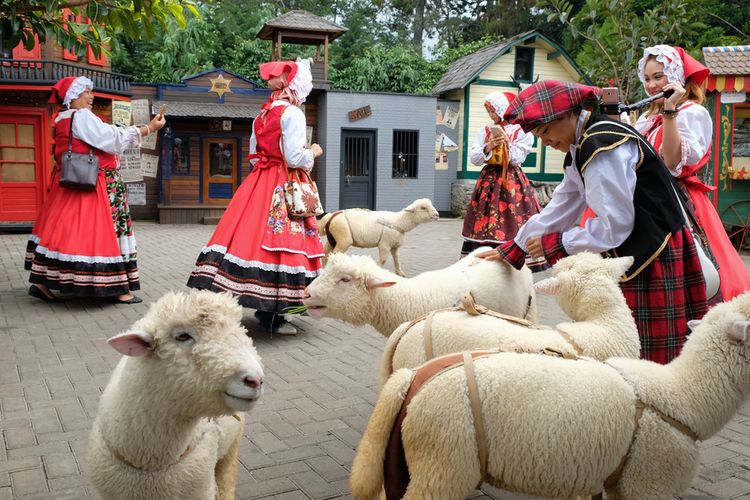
423	210
585	283
197	352
729	325
345	288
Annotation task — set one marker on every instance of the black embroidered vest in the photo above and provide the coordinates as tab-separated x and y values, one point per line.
657	211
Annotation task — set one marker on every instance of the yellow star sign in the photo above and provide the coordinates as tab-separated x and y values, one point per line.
220	85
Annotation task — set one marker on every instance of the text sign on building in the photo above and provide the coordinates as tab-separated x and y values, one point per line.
359	113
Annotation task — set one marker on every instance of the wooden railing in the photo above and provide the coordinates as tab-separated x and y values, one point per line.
27	71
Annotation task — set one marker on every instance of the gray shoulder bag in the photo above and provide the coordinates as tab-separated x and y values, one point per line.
78	171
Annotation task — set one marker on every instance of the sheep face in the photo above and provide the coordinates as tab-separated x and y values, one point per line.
195	346
344	289
423	210
582	282
731	321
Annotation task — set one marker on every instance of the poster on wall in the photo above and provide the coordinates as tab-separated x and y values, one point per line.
149	165
121	113
441	160
136	193
439	138
309	135
448	145
130	165
438	115
142	115
450	118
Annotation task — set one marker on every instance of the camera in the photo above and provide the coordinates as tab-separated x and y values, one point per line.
610	101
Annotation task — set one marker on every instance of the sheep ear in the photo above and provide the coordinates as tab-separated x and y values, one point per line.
375	282
693	324
740	331
549	286
620	265
135	343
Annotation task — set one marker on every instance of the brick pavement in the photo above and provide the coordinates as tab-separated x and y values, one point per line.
299	441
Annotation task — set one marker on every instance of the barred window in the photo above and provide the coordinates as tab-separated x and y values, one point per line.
405	153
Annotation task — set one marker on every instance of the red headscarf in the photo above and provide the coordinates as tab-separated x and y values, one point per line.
546	101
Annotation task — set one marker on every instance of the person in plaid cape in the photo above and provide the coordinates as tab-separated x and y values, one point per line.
502	199
612	169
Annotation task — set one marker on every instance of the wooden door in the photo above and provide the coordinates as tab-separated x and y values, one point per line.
219	170
21	166
357	169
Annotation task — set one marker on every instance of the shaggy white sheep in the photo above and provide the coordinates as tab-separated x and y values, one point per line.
354	289
559	428
365	229
168	424
585	286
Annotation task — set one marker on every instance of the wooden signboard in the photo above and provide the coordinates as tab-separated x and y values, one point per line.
359	113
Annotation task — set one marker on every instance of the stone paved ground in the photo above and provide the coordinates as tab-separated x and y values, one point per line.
299	441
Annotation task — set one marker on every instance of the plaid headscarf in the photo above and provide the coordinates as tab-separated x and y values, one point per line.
547	101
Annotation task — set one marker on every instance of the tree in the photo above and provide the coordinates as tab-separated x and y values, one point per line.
137	19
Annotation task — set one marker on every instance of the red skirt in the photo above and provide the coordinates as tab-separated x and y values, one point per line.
663	297
732	272
74	247
257	252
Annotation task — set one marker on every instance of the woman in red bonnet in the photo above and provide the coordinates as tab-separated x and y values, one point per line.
82	244
257	252
612	169
680	129
502	199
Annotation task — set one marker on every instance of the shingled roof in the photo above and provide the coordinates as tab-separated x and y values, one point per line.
462	71
208	110
300	20
734	60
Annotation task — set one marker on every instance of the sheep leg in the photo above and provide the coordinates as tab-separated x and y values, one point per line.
396	263
225	473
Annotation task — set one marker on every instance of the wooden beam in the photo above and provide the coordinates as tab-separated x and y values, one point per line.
278	45
317	53
325	60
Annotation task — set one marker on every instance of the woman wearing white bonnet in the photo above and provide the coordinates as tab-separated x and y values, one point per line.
502	200
680	129
257	252
82	244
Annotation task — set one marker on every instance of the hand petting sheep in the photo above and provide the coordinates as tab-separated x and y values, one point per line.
354	289
561	428
586	287
170	419
366	229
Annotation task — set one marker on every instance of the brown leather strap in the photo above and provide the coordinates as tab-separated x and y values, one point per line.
427	335
570	341
331	239
470	306
640	406
476	410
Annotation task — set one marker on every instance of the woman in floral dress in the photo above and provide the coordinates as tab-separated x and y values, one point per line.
503	200
258	253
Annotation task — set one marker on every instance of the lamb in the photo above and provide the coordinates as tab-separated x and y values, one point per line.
169	422
561	428
365	229
354	289
586	288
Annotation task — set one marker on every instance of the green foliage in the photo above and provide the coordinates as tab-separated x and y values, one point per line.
181	53
136	19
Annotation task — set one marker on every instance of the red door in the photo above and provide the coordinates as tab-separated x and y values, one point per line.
21	164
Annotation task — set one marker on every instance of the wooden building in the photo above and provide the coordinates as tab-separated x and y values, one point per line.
26	161
728	101
202	150
505	66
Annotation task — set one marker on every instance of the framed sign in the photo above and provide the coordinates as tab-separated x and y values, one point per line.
360	113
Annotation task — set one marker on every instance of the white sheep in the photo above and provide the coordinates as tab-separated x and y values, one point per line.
586	287
562	428
382	229
354	289
169	422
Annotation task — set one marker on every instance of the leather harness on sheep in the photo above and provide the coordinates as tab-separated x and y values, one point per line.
383	223
470	306
396	477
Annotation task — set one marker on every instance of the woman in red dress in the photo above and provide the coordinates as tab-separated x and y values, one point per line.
258	252
503	200
681	129
82	243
